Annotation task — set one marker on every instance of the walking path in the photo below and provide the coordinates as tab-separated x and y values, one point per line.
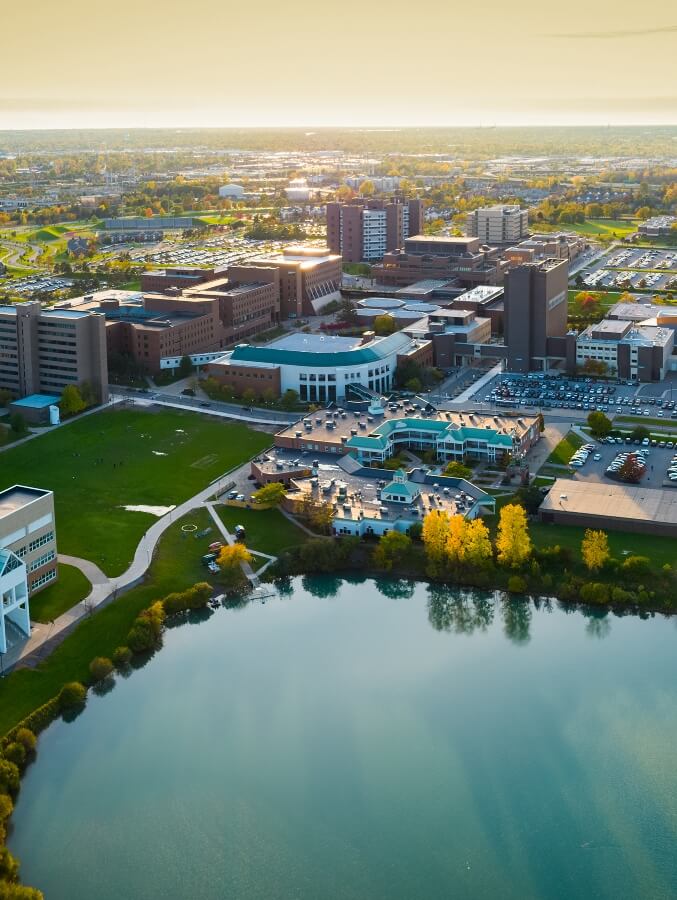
476	386
104	589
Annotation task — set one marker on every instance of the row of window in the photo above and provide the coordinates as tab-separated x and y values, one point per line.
45	578
42	560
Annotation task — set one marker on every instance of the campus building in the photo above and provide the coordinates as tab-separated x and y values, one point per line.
562	245
28	556
309	279
498	224
464	260
658	226
363	230
44	350
536	314
320	369
380	431
629	350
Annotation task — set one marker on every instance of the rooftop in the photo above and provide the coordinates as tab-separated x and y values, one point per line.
15	498
612	501
37	401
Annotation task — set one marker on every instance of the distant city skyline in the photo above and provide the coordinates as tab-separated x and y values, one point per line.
378	65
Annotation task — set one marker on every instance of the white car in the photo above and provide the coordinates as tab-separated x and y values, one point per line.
597	457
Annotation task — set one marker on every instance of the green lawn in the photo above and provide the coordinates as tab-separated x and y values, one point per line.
660	550
175	567
605	227
71	588
267	530
646	421
105	461
565	449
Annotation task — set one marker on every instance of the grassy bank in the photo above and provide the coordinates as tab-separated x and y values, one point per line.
566	448
71	588
127	457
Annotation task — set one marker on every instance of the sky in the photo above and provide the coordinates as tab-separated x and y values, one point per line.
271	63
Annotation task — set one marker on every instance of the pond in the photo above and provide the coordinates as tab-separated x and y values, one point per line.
369	739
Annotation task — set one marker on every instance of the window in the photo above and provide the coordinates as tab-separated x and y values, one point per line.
41	541
46	577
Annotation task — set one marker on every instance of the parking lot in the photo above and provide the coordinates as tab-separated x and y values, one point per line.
634	267
583	394
40	283
658	460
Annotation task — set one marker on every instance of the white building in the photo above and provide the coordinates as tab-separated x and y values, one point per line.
232	191
298	189
320	368
28	557
498	224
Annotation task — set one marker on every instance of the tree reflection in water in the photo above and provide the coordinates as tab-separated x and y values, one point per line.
451	608
599	623
322	586
396	588
516	619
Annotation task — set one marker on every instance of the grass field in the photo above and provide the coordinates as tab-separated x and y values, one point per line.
102	462
607	298
71	588
565	449
604	227
660	550
176	566
266	530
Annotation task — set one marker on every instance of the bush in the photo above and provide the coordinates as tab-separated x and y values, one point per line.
9	777
9	867
6	810
620	595
147	628
595	592
516	584
72	695
457	470
16	753
26	738
636	566
122	656
100	668
18	892
199	595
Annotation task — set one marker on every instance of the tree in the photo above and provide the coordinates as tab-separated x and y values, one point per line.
249	395
9	777
289	399
456	469
232	557
392	546
513	542
72	695
600	425
631	470
5	397
122	657
414	385
100	668
71	402
186	366
530	497
9	866
640	433
541	422
384	324
595	549
478	550
367	188
26	737
435	534
272	493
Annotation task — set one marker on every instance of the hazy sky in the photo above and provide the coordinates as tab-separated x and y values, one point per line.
431	62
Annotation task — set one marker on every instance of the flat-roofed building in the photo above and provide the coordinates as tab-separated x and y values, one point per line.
309	278
658	226
465	260
44	350
28	556
611	506
363	230
629	350
498	224
535	314
320	368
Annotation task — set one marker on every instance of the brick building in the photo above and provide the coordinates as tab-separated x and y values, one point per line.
462	259
363	230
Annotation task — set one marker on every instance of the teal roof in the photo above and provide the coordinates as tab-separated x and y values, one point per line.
398	487
378	439
359	355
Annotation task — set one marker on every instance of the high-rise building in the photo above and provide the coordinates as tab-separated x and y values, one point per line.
535	313
43	350
364	230
498	224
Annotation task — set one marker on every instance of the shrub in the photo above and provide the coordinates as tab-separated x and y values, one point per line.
16	753
147	628
26	738
457	470
620	595
122	656
72	695
636	565
516	584
18	892
100	668
198	595
6	810
595	592
9	867
9	777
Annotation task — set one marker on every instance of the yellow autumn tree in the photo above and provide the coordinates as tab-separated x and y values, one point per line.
434	535
513	542
230	560
478	550
456	538
595	549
